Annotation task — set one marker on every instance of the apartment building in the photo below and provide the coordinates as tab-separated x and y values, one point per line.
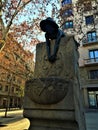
81	19
16	66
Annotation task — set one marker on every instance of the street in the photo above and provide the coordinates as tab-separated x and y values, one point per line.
16	121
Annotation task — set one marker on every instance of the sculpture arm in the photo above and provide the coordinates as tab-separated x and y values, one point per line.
47	45
56	47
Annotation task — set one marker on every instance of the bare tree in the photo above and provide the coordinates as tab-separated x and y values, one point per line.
21	18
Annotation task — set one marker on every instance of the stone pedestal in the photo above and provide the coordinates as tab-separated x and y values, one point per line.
53	97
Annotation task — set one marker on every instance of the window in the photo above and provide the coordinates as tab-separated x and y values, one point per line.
67	12
14	78
6	88
8	77
12	89
89	20
17	89
91	37
92	99
93	54
66	2
4	102
93	74
18	81
68	24
0	86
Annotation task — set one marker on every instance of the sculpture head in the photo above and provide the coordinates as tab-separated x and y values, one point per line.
50	27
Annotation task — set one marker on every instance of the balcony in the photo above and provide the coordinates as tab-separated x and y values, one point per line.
93	40
3	93
91	83
91	61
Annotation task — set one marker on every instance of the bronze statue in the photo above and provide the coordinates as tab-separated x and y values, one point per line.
52	32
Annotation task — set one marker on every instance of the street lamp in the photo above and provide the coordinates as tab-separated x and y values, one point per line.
8	100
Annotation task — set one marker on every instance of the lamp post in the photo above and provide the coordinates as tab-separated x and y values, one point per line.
8	100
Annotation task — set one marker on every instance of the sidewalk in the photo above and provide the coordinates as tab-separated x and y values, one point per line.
7	120
13	115
13	121
22	124
11	109
91	110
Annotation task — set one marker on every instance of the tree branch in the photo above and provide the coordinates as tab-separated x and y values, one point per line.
15	13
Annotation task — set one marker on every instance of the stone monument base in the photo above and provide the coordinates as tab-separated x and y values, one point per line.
39	124
53	97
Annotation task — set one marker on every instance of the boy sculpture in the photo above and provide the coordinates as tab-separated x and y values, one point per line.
52	32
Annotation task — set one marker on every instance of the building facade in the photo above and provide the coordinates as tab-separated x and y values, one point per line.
16	66
81	20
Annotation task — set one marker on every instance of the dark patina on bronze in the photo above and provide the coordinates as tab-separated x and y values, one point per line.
52	32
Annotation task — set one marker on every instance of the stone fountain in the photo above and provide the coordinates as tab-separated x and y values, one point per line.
53	97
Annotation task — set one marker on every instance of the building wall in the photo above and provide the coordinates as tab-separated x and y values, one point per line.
16	66
84	52
80	29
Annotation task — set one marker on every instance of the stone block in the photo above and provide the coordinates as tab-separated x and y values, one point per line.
53	97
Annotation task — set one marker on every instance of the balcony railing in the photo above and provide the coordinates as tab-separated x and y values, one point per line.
89	41
91	61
